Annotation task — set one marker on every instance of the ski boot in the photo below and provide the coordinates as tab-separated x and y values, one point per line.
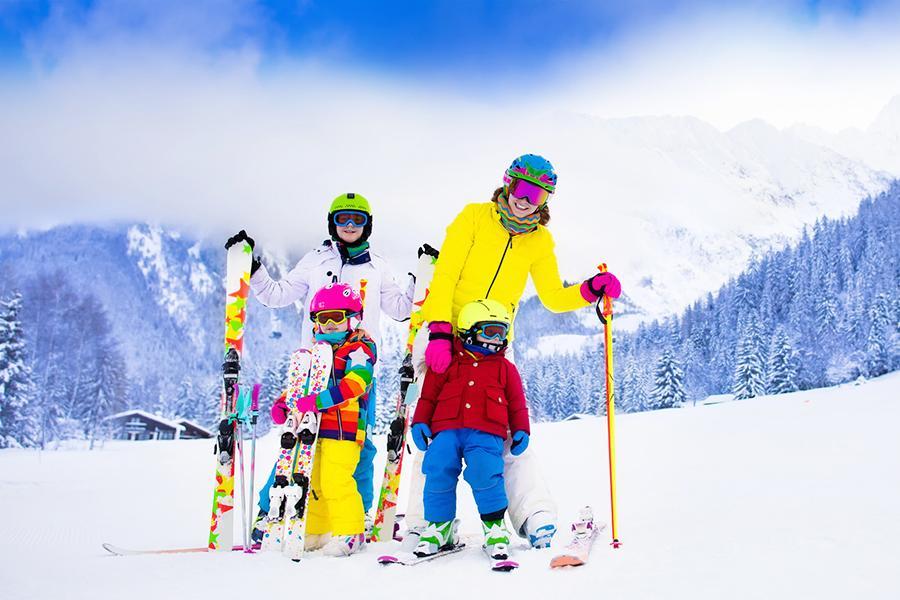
411	539
539	528
316	541
496	539
344	545
369	524
437	536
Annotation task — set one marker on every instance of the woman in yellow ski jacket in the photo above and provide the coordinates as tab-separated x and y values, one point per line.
489	251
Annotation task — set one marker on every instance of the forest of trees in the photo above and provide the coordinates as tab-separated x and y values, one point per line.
821	312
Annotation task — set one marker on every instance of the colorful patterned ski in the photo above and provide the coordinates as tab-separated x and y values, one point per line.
237	290
297	495
119	551
297	377
384	527
584	534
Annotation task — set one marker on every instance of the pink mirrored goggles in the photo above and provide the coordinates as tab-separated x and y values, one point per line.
524	189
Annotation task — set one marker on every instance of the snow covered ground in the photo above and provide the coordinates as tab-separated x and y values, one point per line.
778	497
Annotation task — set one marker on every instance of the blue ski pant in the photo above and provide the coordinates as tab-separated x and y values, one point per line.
365	469
443	463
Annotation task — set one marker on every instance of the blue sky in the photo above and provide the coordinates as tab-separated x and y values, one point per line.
441	38
157	109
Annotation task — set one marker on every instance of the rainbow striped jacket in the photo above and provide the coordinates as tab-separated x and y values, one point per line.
345	402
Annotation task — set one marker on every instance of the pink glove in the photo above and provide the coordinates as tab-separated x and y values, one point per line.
601	283
307	404
279	411
440	346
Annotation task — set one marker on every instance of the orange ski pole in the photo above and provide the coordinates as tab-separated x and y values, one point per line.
605	314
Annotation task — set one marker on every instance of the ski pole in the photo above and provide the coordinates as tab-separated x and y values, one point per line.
254	413
239	427
605	314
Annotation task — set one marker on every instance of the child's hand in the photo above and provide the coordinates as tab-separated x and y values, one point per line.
307	404
519	443
421	434
279	411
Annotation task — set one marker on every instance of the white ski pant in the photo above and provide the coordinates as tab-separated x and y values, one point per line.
526	488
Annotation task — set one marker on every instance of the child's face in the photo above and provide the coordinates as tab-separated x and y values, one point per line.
332	327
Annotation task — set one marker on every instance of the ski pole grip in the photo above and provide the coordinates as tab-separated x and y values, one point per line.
604	313
254	397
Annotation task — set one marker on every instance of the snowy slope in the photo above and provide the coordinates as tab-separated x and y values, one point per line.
777	497
676	207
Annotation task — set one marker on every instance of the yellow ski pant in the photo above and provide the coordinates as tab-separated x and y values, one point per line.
335	504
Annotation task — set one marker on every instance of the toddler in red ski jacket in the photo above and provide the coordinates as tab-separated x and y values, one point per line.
466	413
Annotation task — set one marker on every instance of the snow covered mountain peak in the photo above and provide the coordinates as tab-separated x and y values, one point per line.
888	120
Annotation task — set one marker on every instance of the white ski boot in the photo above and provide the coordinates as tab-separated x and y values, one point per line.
316	541
496	539
411	539
540	528
437	536
369	524
344	545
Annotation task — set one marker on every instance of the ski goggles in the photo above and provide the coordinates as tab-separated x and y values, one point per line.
337	316
525	190
492	331
343	218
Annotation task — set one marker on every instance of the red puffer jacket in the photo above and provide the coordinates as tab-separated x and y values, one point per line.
482	392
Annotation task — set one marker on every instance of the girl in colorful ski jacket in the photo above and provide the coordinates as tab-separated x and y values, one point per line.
345	257
465	413
489	251
335	505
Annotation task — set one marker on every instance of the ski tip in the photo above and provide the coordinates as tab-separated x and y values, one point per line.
505	566
388	559
565	561
111	549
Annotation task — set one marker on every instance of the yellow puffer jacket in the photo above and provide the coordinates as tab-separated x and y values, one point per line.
480	259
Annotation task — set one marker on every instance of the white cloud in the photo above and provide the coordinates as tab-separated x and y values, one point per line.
168	129
731	67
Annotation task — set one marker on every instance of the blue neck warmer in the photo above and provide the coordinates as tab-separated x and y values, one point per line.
335	338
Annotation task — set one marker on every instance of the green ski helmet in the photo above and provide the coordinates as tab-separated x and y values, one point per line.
350	201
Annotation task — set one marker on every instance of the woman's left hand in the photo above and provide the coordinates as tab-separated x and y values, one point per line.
600	284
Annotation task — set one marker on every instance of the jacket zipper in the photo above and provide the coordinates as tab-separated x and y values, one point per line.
339	420
497	272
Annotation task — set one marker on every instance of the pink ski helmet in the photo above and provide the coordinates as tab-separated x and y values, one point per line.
336	296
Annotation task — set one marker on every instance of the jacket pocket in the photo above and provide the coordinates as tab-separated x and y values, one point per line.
448	403
496	408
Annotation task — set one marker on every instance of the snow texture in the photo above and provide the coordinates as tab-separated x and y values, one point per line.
791	496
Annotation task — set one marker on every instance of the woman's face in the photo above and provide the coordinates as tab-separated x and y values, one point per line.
349	233
521	207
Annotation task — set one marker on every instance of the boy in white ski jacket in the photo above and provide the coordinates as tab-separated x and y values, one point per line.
345	258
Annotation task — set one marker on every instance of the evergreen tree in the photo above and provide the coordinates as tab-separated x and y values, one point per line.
749	377
878	350
18	426
782	368
102	382
668	391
